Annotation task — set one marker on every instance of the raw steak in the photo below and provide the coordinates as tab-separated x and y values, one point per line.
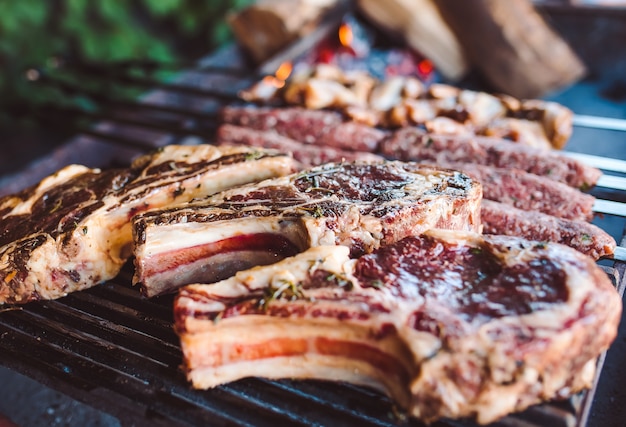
73	229
360	205
449	324
414	144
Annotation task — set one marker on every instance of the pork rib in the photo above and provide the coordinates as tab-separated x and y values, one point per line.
73	230
360	205
449	324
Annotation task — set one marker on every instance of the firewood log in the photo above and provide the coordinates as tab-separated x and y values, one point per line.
267	26
422	27
512	46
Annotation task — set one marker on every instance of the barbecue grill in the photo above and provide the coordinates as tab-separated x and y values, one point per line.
115	350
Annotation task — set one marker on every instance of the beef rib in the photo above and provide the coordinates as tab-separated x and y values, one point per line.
361	205
73	229
449	324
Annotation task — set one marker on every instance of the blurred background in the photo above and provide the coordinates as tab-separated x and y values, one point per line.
42	33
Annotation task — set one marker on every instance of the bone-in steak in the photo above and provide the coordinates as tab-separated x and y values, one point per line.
360	205
449	324
73	230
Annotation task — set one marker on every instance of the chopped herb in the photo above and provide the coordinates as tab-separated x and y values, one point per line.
85	229
318	212
585	237
340	281
253	155
377	284
287	290
541	245
429	142
218	317
585	186
57	206
476	251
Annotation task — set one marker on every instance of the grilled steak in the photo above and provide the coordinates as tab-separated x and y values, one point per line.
529	192
499	218
307	126
449	324
307	154
73	230
360	205
413	144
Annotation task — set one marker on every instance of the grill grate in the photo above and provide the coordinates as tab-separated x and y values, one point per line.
112	347
115	350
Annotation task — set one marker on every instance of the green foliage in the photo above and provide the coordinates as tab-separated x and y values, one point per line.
32	31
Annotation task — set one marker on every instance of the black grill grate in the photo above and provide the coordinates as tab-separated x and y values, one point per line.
115	350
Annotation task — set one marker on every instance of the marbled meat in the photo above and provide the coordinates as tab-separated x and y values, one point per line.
359	205
73	230
449	324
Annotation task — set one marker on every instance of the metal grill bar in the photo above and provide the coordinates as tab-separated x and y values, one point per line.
596	122
150	83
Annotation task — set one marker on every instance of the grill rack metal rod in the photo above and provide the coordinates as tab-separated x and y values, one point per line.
598	122
604	163
150	83
183	129
612	182
151	66
105	98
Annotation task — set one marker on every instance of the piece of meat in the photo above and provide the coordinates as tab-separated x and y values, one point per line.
499	218
449	324
402	101
529	192
307	154
359	205
520	131
73	230
413	144
327	128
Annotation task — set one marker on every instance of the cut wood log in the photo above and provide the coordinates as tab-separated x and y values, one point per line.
512	46
267	26
421	25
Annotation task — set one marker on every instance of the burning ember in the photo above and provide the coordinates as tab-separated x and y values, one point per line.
355	47
280	77
352	49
